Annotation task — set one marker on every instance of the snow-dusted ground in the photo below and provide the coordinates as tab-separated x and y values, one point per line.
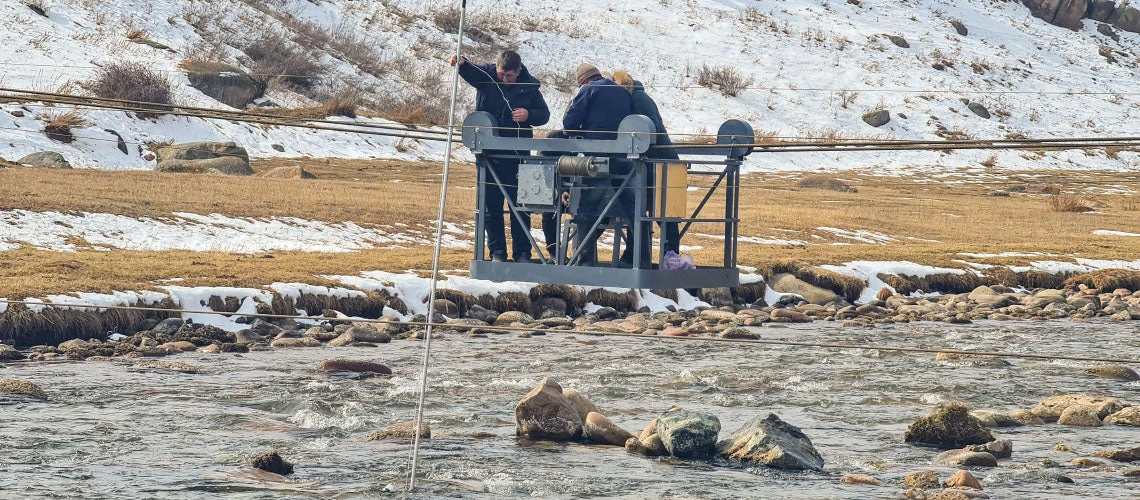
816	66
212	233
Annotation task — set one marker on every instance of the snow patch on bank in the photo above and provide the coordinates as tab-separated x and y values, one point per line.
58	232
1105	232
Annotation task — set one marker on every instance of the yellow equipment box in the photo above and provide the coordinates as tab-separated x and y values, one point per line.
676	192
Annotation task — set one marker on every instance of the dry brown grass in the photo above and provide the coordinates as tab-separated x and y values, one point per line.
945	218
1107	280
57	126
1064	203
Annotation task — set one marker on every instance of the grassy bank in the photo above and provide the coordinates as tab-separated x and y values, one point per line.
929	219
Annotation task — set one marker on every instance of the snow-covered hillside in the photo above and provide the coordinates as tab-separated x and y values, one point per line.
816	67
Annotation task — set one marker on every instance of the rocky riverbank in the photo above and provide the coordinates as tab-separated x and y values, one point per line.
59	332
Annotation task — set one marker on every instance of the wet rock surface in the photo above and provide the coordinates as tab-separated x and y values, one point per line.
772	442
949	426
272	462
687	434
402	430
545	413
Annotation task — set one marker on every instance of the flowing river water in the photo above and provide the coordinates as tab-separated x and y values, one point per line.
108	431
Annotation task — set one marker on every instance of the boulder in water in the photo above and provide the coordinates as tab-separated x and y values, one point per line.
545	413
774	443
1080	416
966	458
1002	448
352	365
1128	416
1117	372
599	429
22	388
921	479
402	430
687	434
580	402
1050	409
272	462
1122	455
948	426
963	479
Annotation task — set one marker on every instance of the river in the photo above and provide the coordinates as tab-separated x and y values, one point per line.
108	431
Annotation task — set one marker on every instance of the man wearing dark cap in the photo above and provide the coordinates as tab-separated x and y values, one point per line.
508	91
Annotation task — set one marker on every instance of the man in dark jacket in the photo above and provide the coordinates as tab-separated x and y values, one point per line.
599	106
595	113
508	91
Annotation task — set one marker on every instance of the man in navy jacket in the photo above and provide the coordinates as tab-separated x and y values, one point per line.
595	113
508	91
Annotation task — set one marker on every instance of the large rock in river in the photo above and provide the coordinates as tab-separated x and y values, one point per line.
545	413
21	388
772	442
688	434
600	429
580	402
1050	409
950	426
1129	416
966	458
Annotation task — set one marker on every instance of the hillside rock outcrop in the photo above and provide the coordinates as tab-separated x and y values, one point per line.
204	157
45	159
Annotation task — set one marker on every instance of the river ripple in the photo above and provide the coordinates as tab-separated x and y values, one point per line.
110	432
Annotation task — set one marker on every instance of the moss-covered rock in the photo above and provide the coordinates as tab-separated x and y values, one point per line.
950	426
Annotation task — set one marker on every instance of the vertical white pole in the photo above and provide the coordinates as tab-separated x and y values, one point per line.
438	240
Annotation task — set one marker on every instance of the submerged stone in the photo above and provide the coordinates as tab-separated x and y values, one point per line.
272	462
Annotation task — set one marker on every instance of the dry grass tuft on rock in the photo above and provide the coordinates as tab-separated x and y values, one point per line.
57	126
572	295
149	91
849	287
825	182
462	300
1106	280
619	301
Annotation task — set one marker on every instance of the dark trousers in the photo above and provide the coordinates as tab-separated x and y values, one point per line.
493	203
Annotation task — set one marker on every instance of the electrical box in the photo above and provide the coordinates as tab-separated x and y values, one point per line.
536	184
672	179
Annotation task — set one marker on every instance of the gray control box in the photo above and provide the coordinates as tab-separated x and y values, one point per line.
536	184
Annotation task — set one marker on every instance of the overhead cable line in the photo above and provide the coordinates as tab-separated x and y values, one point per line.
766	88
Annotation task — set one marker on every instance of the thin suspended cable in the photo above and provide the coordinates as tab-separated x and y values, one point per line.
438	245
